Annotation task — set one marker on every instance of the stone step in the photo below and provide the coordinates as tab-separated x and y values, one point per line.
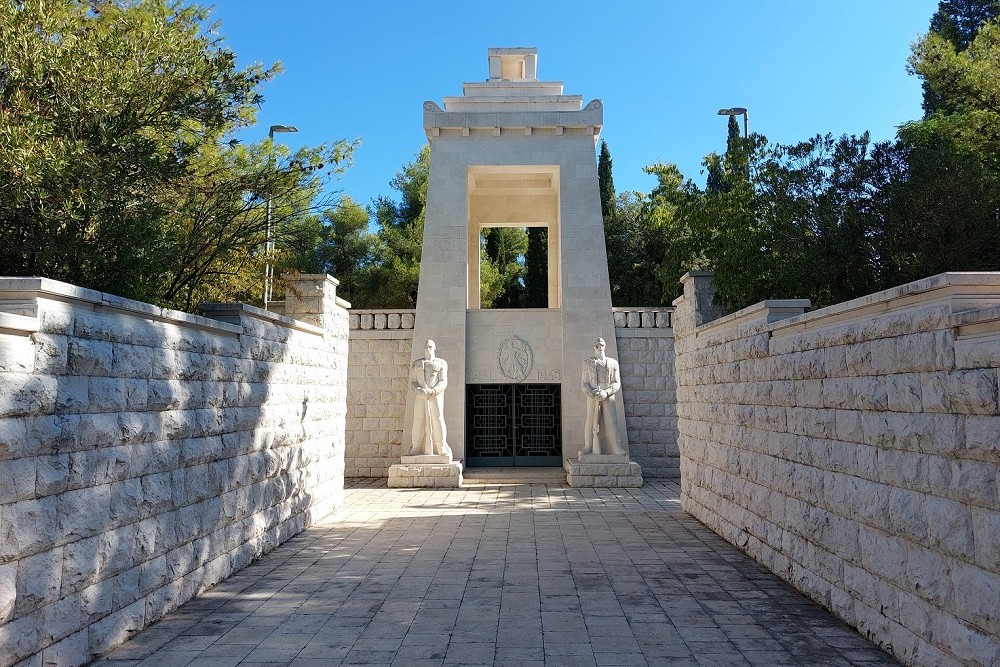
479	476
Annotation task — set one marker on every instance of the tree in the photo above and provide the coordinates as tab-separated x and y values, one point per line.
957	22
536	269
716	180
967	86
504	249
947	209
111	115
391	279
605	181
337	244
803	220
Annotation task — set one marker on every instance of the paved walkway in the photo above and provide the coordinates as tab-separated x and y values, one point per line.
502	575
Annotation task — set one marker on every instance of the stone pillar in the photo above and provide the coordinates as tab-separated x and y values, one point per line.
697	305
311	297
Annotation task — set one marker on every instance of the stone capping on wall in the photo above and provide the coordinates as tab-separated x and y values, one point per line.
766	312
977	322
19	296
642	317
17	324
963	290
232	313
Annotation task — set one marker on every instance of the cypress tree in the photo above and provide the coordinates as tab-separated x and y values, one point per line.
605	182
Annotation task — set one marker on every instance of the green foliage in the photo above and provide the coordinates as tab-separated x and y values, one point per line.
635	243
803	220
391	280
605	181
111	175
967	85
536	269
337	244
504	249
956	22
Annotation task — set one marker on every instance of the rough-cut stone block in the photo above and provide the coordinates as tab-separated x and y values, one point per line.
39	579
973	392
69	651
982	438
27	527
51	353
90	357
22	394
8	591
83	513
17	480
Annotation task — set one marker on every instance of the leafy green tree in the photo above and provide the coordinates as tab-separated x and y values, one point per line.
505	249
111	173
967	85
803	220
957	22
947	209
391	280
338	244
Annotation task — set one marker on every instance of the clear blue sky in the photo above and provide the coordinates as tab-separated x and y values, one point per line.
662	67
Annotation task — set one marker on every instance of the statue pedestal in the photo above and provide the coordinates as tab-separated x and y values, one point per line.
603	470
426	471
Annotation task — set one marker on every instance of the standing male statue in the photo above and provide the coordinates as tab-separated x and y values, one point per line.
428	380
601	381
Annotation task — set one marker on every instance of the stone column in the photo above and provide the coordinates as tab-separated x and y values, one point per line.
697	306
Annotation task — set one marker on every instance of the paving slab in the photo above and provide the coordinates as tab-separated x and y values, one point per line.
502	574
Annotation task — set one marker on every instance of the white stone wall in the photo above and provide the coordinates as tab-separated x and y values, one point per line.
854	451
646	360
147	454
377	390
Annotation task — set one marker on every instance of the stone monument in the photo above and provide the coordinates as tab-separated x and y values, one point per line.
429	460
514	151
602	461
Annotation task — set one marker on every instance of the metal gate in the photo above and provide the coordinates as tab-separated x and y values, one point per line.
513	425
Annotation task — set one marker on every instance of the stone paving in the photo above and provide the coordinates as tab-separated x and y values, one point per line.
502	574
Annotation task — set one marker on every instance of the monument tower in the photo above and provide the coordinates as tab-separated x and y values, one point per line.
514	151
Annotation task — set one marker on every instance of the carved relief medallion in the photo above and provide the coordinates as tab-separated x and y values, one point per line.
514	357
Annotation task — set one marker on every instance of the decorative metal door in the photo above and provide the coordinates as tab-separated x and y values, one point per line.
513	425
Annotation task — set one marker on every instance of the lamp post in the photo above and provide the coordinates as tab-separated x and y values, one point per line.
739	111
268	241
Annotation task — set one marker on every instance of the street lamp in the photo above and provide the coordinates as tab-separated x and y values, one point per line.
268	241
739	111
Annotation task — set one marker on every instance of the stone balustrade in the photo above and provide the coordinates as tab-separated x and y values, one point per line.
379	320
643	318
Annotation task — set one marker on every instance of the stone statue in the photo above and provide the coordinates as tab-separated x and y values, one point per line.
428	380
601	381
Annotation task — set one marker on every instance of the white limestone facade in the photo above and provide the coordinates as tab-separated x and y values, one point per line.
514	151
147	454
853	451
380	348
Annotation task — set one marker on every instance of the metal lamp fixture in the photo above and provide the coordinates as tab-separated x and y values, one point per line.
268	241
739	111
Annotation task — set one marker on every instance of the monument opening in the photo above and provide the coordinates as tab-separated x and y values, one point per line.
513	267
513	236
